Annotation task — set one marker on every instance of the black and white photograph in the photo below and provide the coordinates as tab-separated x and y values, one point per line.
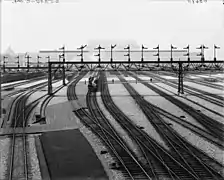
112	90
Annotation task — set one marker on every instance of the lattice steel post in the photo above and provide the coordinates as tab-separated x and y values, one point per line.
180	79
49	79
129	54
142	58
171	55
215	47
28	62
63	67
4	57
111	52
18	65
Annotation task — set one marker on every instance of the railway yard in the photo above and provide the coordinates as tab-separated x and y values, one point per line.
130	125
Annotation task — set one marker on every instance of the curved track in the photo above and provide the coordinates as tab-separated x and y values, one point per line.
174	166
131	165
200	80
126	162
216	128
199	163
210	97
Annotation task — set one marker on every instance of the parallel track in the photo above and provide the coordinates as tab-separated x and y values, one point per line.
200	80
16	84
163	163
210	97
194	160
19	119
126	162
133	168
16	152
216	128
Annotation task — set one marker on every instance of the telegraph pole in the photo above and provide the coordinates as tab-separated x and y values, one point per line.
28	62
48	58
128	55
157	53
142	58
180	79
215	47
111	51
4	57
171	57
202	47
63	67
188	53
81	55
49	79
99	48
18	65
38	57
203	52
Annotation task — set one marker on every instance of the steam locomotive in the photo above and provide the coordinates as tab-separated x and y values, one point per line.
93	83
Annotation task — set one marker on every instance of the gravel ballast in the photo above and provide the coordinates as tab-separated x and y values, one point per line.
126	103
4	152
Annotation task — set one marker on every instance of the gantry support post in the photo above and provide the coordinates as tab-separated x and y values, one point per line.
18	66
28	63
4	57
63	67
215	47
128	55
49	79
157	54
142	57
99	59
180	79
171	55
111	54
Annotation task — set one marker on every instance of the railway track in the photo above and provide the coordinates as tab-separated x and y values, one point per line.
48	99
33	88
18	165
192	101
129	163
198	81
197	162
197	130
210	97
126	162
22	83
214	127
163	164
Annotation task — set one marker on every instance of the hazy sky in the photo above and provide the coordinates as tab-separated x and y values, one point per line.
34	27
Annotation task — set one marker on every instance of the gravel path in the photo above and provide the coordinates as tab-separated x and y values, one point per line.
4	152
33	162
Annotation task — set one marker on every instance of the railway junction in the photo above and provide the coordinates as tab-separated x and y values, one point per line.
145	119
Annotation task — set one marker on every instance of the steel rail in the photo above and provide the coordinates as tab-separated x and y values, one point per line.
173	139
174	168
101	119
210	124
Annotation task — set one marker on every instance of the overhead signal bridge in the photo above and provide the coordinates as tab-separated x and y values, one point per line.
179	67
